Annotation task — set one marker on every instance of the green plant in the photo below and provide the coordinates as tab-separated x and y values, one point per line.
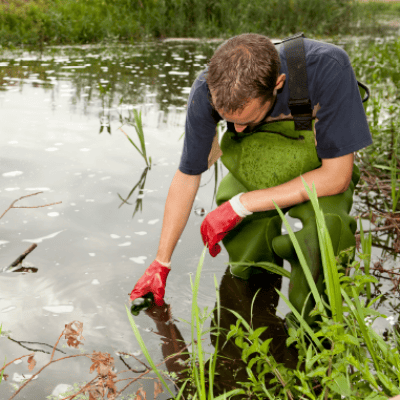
344	357
198	376
394	173
139	130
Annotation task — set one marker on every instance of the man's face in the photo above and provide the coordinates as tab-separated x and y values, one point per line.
253	113
251	116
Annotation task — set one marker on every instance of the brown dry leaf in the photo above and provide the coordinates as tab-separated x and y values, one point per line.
157	388
110	385
103	362
96	392
31	363
74	336
141	394
358	242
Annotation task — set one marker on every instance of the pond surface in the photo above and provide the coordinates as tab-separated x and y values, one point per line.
61	111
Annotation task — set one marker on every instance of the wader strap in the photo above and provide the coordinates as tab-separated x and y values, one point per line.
299	101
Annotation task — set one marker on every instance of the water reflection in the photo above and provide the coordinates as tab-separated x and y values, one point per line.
141	190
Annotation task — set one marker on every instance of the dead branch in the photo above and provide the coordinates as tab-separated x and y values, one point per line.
23	197
21	257
27	355
45	366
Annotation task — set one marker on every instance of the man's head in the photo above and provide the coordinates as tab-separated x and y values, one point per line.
243	78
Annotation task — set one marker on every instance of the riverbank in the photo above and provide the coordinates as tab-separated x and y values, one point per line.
59	22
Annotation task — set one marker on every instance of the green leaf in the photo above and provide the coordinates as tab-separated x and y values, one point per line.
302	260
264	348
319	371
340	385
257	332
389	385
268	266
310	361
349	339
303	323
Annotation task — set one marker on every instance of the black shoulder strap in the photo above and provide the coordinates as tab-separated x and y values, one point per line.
299	101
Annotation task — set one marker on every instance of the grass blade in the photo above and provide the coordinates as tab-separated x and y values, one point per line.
360	319
268	266
328	258
303	323
303	262
195	319
139	130
144	349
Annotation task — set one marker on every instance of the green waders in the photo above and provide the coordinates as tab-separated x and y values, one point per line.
276	153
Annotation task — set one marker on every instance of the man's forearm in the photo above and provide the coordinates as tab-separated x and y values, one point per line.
291	193
179	203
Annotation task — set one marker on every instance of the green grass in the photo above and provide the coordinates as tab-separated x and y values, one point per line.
92	21
378	66
343	356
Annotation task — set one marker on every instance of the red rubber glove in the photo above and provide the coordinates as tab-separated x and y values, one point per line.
153	280
216	226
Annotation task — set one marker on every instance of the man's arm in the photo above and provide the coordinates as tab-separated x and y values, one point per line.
178	205
331	178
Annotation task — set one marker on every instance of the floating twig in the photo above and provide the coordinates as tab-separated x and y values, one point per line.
21	257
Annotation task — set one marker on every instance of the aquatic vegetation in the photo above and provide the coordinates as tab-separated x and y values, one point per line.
342	356
197	374
139	130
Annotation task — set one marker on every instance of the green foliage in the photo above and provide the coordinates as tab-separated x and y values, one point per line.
378	67
354	361
343	356
197	376
90	21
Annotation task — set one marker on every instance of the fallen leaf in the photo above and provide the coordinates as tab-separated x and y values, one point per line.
141	394
103	362
157	388
74	336
31	363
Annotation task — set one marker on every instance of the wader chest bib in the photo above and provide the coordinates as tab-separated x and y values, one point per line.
275	153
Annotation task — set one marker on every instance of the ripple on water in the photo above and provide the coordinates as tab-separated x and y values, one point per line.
59	309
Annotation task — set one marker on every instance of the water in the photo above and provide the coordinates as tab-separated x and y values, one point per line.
60	136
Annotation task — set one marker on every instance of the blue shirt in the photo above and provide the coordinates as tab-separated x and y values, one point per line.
341	126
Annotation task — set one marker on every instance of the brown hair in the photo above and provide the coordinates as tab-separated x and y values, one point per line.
242	68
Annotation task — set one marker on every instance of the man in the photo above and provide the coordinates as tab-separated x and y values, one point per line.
244	84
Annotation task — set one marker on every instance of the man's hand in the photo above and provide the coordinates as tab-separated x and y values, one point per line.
153	280
217	224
